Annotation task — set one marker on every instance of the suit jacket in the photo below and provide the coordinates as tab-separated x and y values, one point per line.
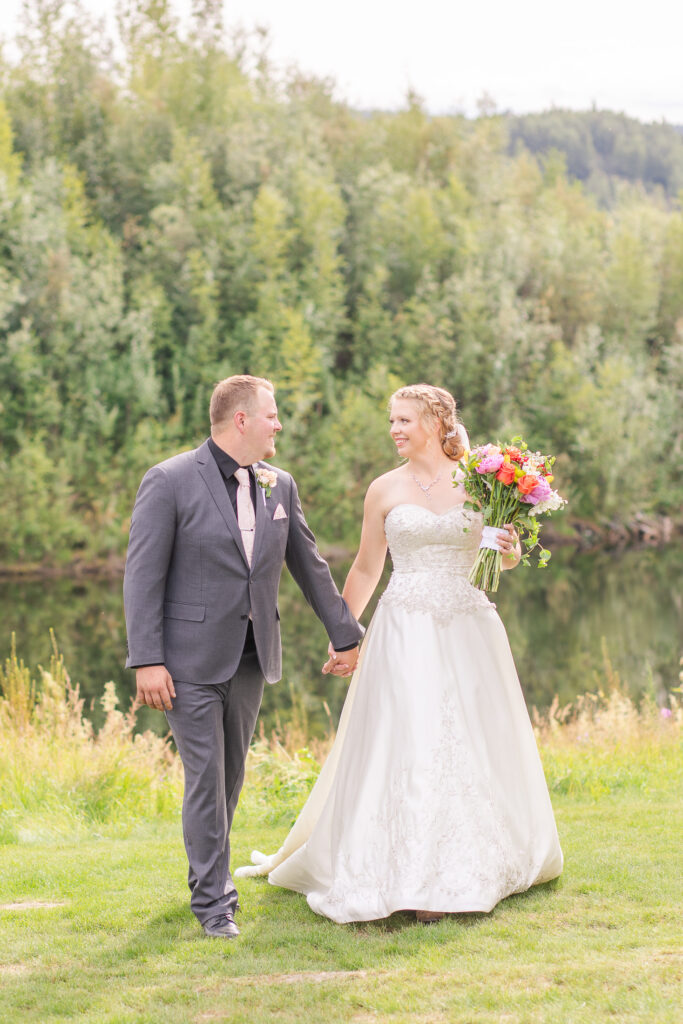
188	589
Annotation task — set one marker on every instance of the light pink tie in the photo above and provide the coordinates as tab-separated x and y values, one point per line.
246	518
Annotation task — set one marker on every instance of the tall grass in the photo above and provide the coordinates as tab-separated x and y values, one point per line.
58	776
604	741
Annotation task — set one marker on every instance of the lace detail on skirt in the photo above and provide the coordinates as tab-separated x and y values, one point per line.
448	849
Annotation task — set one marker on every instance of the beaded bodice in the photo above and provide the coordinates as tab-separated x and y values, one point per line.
432	556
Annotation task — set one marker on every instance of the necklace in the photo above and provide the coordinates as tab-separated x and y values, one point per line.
426	489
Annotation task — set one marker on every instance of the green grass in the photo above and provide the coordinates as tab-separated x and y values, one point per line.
120	944
95	922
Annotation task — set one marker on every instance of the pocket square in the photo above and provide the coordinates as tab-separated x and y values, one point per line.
279	513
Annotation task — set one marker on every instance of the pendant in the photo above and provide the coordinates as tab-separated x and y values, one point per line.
426	488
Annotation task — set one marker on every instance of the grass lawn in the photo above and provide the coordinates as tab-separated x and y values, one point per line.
100	930
95	922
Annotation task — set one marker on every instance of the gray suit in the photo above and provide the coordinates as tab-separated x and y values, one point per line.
188	594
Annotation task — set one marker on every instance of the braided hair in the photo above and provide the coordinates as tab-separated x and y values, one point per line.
436	405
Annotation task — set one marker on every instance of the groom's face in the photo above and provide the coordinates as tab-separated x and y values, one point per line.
262	425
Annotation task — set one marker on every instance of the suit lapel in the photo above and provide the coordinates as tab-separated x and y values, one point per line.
211	474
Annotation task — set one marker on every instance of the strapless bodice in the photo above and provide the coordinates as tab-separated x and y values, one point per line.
422	540
432	555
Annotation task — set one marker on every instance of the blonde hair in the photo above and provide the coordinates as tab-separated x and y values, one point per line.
234	394
436	405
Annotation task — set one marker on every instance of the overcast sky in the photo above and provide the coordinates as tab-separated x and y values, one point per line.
528	55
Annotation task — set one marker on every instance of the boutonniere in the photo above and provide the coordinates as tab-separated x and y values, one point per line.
266	479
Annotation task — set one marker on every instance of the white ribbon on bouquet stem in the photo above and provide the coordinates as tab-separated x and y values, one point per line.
489	538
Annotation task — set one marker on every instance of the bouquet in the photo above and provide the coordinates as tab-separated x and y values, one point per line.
508	484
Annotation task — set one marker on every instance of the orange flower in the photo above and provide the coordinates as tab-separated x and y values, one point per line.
506	473
514	454
527	483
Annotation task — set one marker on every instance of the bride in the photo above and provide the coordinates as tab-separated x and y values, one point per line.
433	797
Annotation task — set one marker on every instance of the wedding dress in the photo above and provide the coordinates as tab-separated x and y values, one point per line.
433	795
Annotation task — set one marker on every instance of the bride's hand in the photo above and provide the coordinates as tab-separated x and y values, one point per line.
509	546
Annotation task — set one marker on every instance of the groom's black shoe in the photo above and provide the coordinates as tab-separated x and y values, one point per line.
222	927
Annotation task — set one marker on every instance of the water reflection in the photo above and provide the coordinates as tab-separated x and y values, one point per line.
558	621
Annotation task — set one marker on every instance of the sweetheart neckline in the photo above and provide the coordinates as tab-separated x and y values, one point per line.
437	515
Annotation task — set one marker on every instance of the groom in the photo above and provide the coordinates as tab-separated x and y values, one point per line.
210	531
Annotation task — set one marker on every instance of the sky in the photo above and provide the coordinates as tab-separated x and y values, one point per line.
526	56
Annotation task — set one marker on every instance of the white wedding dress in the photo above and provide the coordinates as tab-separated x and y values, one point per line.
433	795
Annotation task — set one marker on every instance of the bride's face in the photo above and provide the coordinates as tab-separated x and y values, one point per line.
406	428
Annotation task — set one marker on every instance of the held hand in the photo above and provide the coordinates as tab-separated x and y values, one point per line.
340	663
331	663
154	687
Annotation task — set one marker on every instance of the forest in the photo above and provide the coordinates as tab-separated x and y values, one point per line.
174	209
604	149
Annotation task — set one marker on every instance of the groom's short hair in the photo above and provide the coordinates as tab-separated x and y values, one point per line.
234	394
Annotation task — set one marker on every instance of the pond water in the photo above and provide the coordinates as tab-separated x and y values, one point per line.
563	623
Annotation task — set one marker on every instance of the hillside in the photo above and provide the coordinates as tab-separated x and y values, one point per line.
602	149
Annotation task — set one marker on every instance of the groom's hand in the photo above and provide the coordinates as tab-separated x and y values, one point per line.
340	663
155	687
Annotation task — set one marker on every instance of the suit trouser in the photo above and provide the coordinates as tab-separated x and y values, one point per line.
212	727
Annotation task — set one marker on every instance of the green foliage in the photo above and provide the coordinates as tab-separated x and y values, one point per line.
42	520
194	215
601	148
58	776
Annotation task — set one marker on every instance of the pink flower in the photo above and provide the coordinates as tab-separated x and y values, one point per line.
541	492
666	712
492	459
